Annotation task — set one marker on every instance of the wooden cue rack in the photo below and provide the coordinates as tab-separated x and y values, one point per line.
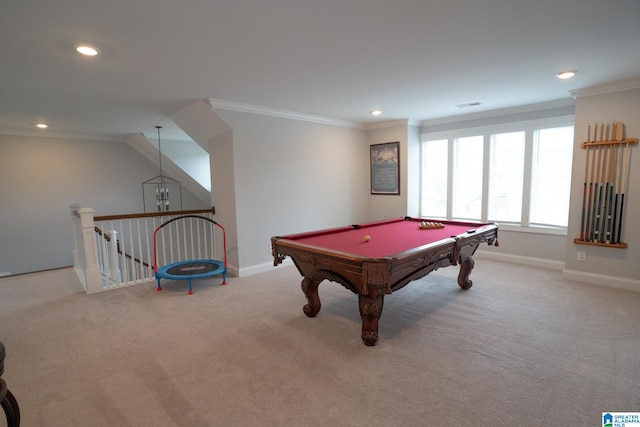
606	176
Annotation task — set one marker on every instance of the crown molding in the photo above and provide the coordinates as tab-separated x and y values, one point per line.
568	102
273	112
392	123
285	114
606	88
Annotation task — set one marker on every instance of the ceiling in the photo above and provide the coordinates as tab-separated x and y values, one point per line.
339	59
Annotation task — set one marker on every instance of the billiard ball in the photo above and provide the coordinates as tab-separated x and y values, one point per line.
367	238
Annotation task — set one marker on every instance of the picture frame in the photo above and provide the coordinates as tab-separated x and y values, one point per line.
385	168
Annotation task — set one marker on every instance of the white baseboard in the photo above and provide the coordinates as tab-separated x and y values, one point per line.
262	268
522	260
573	275
602	280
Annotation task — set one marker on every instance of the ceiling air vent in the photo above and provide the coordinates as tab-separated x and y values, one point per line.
469	104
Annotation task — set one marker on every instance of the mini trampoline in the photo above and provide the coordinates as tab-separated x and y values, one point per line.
192	268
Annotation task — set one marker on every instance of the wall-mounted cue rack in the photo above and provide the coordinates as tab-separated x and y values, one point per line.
606	175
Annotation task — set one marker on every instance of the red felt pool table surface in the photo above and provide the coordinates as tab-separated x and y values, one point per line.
388	237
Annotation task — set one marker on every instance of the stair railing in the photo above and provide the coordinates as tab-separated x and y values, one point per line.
117	250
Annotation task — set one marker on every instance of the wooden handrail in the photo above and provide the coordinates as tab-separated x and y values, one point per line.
104	236
212	210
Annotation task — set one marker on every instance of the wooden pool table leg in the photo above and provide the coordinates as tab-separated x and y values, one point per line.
370	311
310	289
466	265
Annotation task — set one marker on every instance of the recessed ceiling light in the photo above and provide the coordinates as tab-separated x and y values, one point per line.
376	112
566	74
42	125
87	50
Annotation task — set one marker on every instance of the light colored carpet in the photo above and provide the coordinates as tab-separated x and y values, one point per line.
522	347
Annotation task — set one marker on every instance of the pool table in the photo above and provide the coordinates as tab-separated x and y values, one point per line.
377	258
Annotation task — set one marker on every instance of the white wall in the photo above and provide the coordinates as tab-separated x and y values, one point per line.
407	202
223	193
384	206
40	177
615	267
292	176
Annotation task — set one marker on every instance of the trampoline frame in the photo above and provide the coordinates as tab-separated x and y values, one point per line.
163	272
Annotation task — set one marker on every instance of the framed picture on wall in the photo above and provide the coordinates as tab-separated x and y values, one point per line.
385	168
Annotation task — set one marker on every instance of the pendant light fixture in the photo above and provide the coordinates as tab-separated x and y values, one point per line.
161	190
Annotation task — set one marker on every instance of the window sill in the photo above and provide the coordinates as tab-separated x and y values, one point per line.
549	230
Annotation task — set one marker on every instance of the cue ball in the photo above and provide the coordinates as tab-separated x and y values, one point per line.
367	238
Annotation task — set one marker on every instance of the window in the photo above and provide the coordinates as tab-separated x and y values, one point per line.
551	176
434	178
517	174
506	175
467	186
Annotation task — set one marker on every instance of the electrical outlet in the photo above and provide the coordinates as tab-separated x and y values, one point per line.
582	256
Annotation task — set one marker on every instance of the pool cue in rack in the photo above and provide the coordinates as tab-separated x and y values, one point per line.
623	187
606	169
616	219
590	199
598	217
583	219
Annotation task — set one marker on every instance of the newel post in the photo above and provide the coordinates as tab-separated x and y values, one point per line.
92	268
114	265
78	262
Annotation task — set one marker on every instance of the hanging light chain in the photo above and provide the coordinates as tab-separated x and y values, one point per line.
162	193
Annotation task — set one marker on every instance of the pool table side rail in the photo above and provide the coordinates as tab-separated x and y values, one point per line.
308	234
